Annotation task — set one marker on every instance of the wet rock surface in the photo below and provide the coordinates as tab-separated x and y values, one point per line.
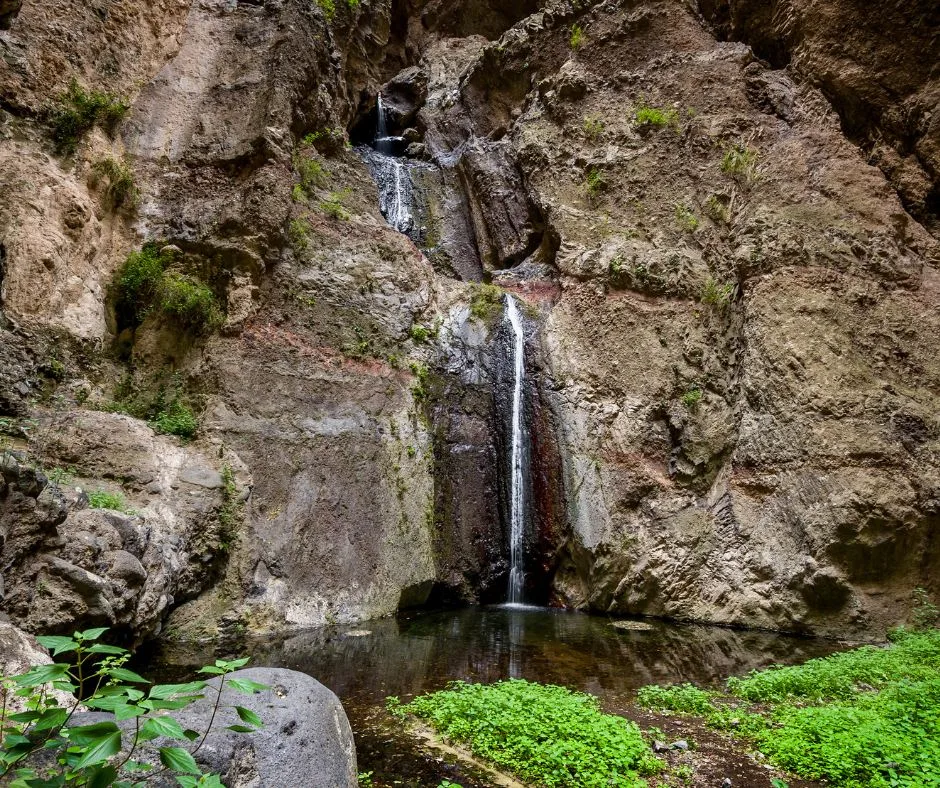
733	313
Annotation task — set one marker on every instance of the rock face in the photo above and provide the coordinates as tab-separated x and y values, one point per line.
721	224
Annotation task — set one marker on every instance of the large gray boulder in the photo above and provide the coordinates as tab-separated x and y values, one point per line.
306	739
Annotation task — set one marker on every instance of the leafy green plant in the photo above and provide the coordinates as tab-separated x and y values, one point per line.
683	698
176	419
486	301
717	210
740	161
594	184
312	174
420	333
545	734
328	140
692	398
299	233
715	294
189	302
138	280
925	614
78	111
685	218
100	499
645	115
121	190
102	753
230	514
422	374
577	37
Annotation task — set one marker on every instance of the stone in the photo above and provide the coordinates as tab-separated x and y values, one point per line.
681	744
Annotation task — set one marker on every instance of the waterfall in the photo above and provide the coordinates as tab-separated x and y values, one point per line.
382	142
517	496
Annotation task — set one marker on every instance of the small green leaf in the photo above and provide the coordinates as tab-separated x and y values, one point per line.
51	718
57	644
232	664
240	729
102	777
247	715
123	674
161	726
164	691
100	750
88	734
212	671
101	648
192	735
179	760
246	686
91	634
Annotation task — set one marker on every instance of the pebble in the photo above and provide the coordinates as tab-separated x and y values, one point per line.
682	744
660	746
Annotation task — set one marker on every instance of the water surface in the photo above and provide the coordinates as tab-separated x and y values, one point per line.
422	652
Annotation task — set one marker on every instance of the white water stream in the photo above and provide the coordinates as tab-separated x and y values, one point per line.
517	494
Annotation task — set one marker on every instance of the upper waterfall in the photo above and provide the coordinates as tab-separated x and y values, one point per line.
517	488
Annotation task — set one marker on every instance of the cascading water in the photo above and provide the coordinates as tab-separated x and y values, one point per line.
400	198
517	488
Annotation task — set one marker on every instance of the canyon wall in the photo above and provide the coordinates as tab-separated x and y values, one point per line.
722	220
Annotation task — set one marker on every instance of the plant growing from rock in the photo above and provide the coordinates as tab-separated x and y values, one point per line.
740	161
577	37
715	294
299	233
685	218
593	127
189	302
717	210
594	184
100	499
78	111
102	754
645	115
333	205
176	419
692	398
121	190
486	301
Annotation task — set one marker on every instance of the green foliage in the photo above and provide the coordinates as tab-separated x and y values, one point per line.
593	127
692	398
740	162
299	233
422	375
717	210
577	37
138	281
80	110
176	419
913	658
99	499
189	302
594	184
230	515
683	698
545	734
420	333
486	301
313	175
715	294
686	219
925	614
328	141
329	9
101	754
121	190
333	205
645	115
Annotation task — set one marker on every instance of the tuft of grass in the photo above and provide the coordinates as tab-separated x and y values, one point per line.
645	115
546	735
486	301
78	111
99	499
740	162
299	233
717	210
577	37
189	302
685	218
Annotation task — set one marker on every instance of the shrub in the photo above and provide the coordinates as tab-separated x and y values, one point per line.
420	333
176	419
717	210
99	499
138	281
189	302
683	698
80	110
312	173
486	301
577	37
925	614
740	161
327	141
545	734
101	754
121	190
299	233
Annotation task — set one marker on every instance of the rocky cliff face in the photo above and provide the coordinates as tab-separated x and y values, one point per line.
720	218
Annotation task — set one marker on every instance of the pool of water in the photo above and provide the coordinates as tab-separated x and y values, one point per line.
422	652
